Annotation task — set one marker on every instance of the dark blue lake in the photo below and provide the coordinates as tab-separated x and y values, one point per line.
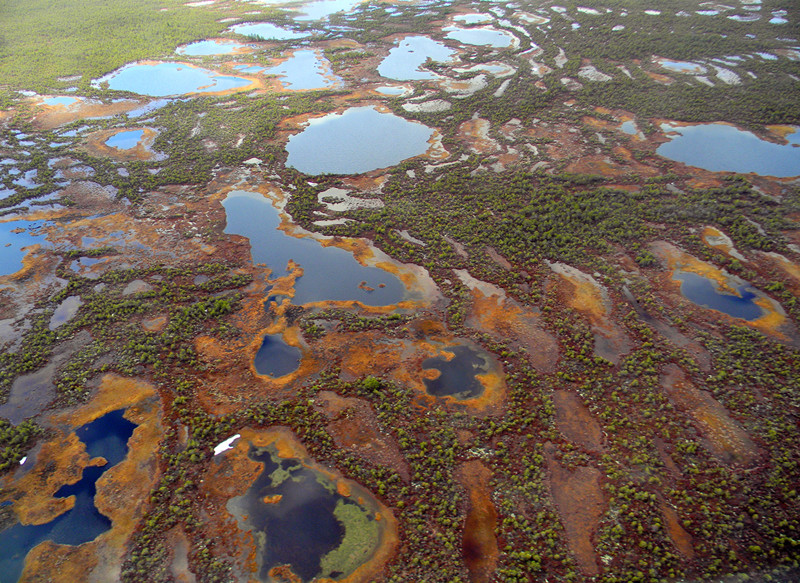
457	378
275	358
105	437
329	273
706	293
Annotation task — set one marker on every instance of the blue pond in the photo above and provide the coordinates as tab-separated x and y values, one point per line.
210	47
723	148
356	141
267	31
163	79
12	243
275	358
457	378
125	140
105	437
706	293
302	528
329	273
306	69
491	37
404	62
61	101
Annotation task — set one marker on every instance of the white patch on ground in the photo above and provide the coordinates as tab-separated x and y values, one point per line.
332	222
495	68
487	289
540	69
652	12
590	73
343	202
561	59
588	11
226	445
727	76
559	9
704	80
618	28
411	239
571	84
433	106
502	89
462	89
625	70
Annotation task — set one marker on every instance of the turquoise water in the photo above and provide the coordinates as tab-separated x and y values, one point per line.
61	100
629	127
681	66
275	358
404	62
210	47
329	273
723	148
105	437
267	31
473	18
490	37
125	140
306	69
356	141
163	79
251	69
706	293
457	378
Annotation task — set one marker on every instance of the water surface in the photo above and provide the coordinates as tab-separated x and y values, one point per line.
15	236
457	378
722	148
126	140
105	437
267	31
405	61
329	273
487	37
204	48
305	69
275	358
705	292
356	141
163	79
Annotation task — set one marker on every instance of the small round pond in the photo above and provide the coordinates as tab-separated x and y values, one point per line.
457	376
126	140
723	148
356	141
275	358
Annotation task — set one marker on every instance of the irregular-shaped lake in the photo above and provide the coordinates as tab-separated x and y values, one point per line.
723	148
356	141
105	437
485	36
163	79
15	236
329	273
267	31
405	61
126	140
306	69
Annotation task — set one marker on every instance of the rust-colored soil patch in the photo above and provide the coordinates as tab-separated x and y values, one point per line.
580	504
724	437
96	145
576	422
479	544
680	538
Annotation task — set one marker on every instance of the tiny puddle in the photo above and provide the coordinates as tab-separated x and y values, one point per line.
106	437
275	358
65	311
405	61
329	273
723	148
705	292
305	69
210	47
487	36
125	140
163	79
358	140
301	521
267	31
457	376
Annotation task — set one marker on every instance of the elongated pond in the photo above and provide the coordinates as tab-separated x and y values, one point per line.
300	520
329	273
163	79
724	148
356	141
707	293
106	437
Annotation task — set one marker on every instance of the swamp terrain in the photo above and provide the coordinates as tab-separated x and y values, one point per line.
399	290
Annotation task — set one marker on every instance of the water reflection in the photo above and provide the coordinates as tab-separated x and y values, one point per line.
275	358
405	61
163	79
457	376
705	292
